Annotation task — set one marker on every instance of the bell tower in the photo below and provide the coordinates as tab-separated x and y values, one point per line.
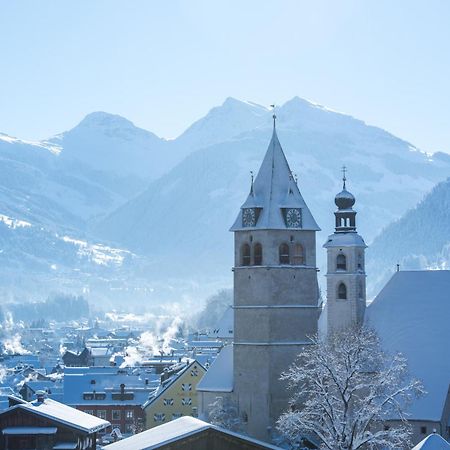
346	276
275	290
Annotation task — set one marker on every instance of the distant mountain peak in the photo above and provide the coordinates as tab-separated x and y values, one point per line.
103	119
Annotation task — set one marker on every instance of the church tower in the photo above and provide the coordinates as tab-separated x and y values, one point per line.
275	290
346	277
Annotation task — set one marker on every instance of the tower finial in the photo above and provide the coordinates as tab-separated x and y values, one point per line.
344	179
274	116
251	182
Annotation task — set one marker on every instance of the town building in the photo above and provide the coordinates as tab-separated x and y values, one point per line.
176	396
110	393
48	424
188	433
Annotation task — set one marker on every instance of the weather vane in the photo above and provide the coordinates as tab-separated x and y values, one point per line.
274	115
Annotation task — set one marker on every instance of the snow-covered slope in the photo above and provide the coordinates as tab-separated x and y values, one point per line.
411	316
419	240
183	218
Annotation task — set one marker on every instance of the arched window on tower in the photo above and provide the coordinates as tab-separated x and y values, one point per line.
360	290
284	254
341	262
299	257
257	254
245	251
342	291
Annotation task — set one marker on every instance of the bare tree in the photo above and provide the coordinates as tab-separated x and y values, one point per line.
344	389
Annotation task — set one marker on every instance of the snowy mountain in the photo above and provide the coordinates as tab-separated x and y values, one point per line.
420	239
172	201
183	218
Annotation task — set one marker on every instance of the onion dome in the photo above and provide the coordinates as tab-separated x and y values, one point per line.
344	200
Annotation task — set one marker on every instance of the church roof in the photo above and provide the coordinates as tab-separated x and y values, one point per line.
274	188
411	315
349	239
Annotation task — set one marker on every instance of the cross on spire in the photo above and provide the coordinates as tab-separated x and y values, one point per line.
344	171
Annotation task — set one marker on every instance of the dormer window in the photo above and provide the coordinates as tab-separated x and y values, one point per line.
284	254
341	262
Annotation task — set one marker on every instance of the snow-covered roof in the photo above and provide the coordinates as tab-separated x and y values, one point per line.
21	431
349	239
107	381
173	431
274	188
411	315
219	377
63	414
432	442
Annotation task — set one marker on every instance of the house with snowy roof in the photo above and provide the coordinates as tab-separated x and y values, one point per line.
46	423
187	433
176	396
110	393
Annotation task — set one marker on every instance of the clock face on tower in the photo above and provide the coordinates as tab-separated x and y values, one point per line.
248	217
294	218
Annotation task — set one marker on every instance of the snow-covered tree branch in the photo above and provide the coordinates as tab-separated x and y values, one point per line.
224	414
344	389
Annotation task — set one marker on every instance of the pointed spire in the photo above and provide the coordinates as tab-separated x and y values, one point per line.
273	190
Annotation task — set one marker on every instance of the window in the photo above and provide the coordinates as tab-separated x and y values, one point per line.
176	415
100	396
284	254
101	414
115	414
246	255
360	262
159	417
298	258
186	387
194	372
257	254
129	414
168	401
341	262
88	396
186	401
342	291
89	411
423	430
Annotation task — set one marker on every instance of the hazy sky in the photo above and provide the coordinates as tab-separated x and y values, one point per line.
165	64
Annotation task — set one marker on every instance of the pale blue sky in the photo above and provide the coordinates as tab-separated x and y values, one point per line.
165	64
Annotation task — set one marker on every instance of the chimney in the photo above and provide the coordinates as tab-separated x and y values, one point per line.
40	396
